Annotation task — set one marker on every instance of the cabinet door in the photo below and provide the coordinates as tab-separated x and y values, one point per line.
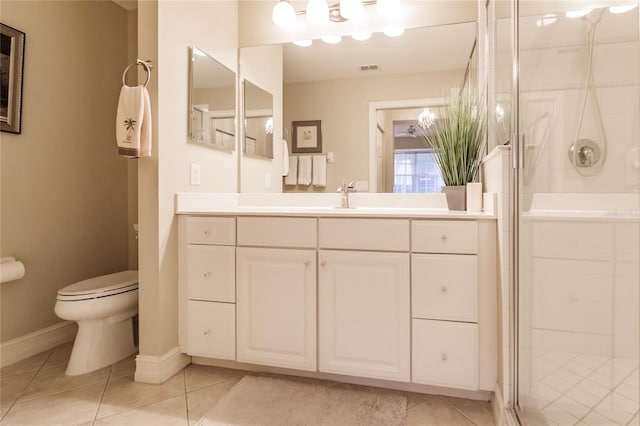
276	305
211	273
364	314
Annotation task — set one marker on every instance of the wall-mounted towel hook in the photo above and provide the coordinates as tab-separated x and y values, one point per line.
147	65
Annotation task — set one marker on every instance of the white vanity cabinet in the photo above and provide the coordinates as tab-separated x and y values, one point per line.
447	312
364	298
207	294
277	292
382	298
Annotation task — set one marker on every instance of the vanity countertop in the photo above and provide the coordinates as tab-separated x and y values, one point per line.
431	206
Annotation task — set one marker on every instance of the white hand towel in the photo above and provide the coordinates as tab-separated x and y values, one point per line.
133	122
285	158
319	170
292	176
304	170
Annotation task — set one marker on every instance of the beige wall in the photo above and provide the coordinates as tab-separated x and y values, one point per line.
165	30
132	166
64	187
343	108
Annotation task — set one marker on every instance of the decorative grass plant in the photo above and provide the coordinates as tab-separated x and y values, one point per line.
458	141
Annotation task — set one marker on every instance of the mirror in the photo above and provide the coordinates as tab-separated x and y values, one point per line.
258	122
212	102
336	85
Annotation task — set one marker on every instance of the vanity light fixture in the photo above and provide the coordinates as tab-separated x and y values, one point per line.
623	8
332	39
351	9
393	31
284	15
361	35
577	13
318	11
303	43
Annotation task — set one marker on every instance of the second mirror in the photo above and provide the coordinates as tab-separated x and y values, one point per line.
258	121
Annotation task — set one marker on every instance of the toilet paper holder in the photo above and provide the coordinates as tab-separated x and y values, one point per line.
11	269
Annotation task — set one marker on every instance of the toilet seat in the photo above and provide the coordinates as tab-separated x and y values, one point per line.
104	286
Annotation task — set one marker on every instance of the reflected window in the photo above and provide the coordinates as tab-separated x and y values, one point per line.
416	171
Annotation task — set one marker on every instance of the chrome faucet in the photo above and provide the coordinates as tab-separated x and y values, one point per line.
344	190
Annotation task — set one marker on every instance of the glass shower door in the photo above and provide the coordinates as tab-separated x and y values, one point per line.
578	218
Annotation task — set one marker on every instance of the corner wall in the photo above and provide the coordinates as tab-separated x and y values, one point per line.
165	30
63	185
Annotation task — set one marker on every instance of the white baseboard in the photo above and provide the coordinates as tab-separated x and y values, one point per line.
157	369
501	413
39	341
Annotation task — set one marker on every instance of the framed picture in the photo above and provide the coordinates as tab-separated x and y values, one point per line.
307	136
11	64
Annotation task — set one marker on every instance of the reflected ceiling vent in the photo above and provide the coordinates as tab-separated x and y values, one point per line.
371	67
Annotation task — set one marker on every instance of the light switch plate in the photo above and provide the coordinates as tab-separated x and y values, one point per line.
195	174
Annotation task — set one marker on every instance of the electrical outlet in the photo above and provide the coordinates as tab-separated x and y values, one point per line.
267	181
195	174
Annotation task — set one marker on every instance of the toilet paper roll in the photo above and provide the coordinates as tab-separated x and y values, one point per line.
11	269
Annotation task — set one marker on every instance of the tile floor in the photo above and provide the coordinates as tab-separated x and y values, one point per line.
579	389
35	391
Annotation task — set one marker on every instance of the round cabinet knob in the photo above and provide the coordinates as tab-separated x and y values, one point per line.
307	263
206	275
207	232
207	332
443	289
443	237
323	263
444	357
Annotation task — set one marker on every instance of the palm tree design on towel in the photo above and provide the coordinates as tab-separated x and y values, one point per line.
129	125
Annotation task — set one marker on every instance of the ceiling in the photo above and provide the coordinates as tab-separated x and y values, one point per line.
439	48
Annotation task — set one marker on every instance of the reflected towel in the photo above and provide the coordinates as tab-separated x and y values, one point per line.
292	176
319	170
285	158
304	170
133	122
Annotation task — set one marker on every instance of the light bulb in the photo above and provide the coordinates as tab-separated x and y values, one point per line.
361	35
393	31
577	13
388	8
303	43
622	8
332	39
283	14
318	11
351	9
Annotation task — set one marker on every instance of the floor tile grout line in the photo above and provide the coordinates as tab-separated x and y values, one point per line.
37	371
186	399
460	411
104	392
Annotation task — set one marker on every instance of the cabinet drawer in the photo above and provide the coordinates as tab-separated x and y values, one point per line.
211	230
444	286
277	232
365	234
445	354
444	236
211	329
211	273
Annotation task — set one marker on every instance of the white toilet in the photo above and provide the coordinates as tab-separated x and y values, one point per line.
104	308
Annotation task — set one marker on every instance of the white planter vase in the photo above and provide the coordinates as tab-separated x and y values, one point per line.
474	196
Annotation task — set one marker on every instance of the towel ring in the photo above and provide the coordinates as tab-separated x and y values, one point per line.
147	65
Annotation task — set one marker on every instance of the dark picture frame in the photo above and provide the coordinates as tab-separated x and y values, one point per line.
307	136
11	70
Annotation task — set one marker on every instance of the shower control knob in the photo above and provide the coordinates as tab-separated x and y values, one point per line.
444	357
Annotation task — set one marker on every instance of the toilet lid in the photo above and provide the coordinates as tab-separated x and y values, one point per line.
105	285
